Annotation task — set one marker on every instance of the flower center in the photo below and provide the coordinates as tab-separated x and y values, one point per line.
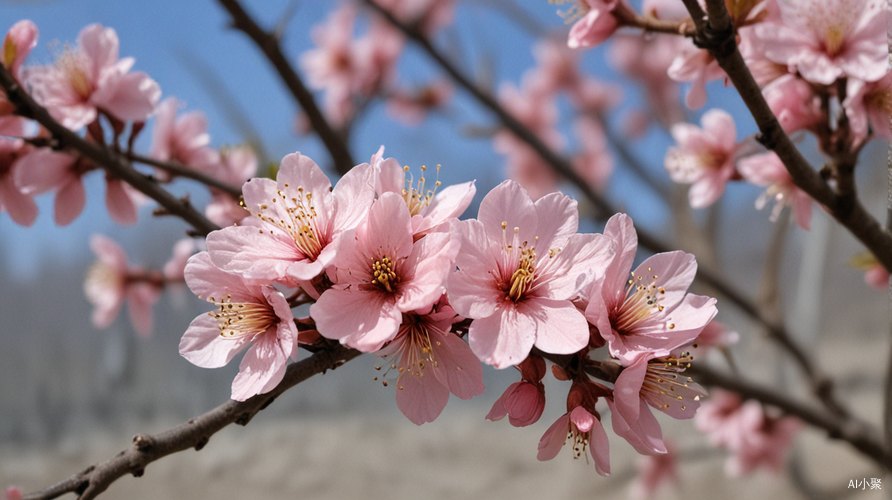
523	273
301	221
384	272
641	301
74	67
101	278
415	194
578	9
580	440
662	378
413	356
881	98
239	319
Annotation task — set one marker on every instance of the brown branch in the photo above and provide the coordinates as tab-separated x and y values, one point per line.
195	433
190	173
859	434
630	18
268	43
718	37
112	161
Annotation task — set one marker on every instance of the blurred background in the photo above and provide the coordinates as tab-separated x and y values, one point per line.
71	395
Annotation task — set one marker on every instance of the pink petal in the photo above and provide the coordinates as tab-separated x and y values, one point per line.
121	207
22	209
421	398
352	196
206	280
571	272
373	318
43	170
509	202
133	97
627	389
100	47
261	370
553	439
456	366
473	291
70	201
560	327
674	272
202	345
558	219
432	260
503	339
256	254
599	447
140	298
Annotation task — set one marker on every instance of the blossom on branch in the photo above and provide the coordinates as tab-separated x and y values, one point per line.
90	78
258	315
182	139
520	267
13	199
523	402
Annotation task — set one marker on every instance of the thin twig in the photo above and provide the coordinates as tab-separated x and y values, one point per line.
268	43
190	173
112	161
195	433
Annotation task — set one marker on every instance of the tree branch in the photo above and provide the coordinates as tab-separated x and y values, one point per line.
718	37
112	161
268	43
195	433
190	173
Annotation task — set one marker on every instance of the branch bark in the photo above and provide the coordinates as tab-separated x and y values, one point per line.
195	433
268	43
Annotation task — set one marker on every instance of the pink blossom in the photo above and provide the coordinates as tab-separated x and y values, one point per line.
181	139
869	104
237	164
13	199
381	274
715	334
175	268
594	21
89	78
754	438
769	171
704	156
411	108
697	66
247	314
582	424
45	170
647	311
794	103
111	280
656	382
557	67
653	471
296	222
523	401
521	266
428	208
423	346
829	39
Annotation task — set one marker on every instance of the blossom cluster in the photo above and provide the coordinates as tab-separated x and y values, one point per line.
390	269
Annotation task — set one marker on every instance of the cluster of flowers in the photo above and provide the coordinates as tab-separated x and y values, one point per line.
822	67
85	83
377	256
351	70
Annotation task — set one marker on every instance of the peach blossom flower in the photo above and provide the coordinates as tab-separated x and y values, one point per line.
431	362
247	314
182	139
521	266
582	424
829	39
868	107
90	78
383	273
649	310
704	156
296	222
794	103
17	44
111	280
769	171
594	21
